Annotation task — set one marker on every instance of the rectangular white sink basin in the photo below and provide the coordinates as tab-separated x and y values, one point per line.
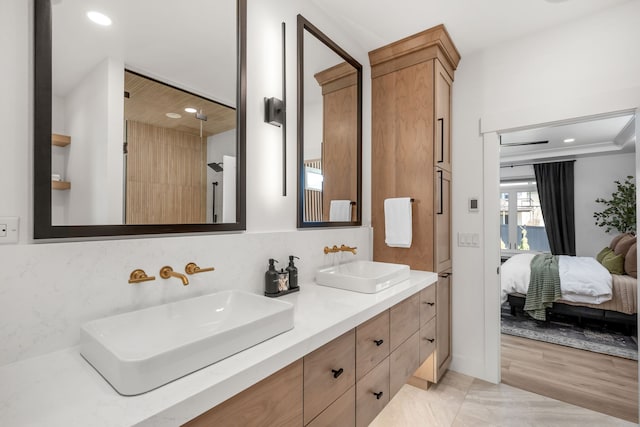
363	276
141	350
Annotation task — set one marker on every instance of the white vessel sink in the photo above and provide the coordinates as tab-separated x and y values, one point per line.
141	350
363	276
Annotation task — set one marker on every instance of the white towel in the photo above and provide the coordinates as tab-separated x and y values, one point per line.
340	210
397	222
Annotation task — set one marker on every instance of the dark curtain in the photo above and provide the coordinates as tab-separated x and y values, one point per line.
555	188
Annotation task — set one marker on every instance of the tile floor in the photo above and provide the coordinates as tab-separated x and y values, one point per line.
459	400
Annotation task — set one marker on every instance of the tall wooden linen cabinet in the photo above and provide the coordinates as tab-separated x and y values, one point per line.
411	157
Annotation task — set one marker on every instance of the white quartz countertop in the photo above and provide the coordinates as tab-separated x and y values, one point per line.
62	389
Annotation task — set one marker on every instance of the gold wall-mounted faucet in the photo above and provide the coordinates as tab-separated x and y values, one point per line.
138	275
344	248
166	272
192	268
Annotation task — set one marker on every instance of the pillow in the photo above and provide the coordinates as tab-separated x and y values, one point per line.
631	261
615	240
607	250
624	244
614	263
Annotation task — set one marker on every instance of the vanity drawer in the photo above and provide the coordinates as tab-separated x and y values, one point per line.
274	401
404	320
403	362
369	400
427	304
427	339
341	413
372	343
328	373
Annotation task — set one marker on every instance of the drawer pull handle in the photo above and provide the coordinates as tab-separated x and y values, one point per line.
430	304
430	339
378	342
378	395
337	373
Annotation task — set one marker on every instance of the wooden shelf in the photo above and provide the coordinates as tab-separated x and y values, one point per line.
60	185
60	140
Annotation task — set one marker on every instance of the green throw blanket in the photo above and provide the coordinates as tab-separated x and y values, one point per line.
544	286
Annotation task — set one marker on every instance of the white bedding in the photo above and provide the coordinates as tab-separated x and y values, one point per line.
582	279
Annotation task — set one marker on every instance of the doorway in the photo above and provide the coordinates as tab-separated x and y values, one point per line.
518	214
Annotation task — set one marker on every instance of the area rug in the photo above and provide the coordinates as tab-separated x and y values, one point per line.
556	331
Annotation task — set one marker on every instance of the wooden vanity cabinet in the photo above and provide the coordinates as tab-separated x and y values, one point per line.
372	394
427	340
404	320
372	343
274	401
342	412
443	325
428	304
347	381
411	83
328	373
403	362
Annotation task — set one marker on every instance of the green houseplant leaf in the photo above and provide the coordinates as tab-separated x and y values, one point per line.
620	211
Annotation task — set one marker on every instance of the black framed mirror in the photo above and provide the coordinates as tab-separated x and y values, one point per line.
104	165
329	132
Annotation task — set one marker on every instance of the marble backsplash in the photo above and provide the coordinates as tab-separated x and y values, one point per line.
48	290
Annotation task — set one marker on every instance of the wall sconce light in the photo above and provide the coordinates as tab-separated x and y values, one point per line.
275	112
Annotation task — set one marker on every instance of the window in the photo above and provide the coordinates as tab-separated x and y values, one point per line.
313	178
521	221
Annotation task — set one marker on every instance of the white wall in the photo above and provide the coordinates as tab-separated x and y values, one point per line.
93	119
313	113
48	289
585	67
594	178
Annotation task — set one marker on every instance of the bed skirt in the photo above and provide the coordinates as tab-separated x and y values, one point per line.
625	296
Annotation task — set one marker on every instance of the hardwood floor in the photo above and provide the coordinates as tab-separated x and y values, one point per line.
605	384
462	401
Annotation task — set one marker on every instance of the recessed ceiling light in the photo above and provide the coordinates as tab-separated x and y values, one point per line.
173	115
190	110
568	140
99	18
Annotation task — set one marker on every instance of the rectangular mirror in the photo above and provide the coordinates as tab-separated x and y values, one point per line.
139	123
329	132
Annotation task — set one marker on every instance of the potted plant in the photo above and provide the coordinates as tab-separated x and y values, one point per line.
620	212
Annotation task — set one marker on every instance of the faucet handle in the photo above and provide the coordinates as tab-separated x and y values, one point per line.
138	275
192	268
328	250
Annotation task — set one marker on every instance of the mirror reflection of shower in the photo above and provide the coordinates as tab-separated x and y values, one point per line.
217	167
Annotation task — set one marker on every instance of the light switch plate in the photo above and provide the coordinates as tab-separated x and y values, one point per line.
9	229
469	240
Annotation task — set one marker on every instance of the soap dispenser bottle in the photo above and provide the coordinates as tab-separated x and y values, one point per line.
293	273
271	279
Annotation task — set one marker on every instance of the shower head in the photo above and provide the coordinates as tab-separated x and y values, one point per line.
216	166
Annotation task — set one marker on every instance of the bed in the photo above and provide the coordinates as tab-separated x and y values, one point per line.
588	289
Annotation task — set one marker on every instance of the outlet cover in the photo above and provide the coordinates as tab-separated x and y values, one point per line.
9	227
